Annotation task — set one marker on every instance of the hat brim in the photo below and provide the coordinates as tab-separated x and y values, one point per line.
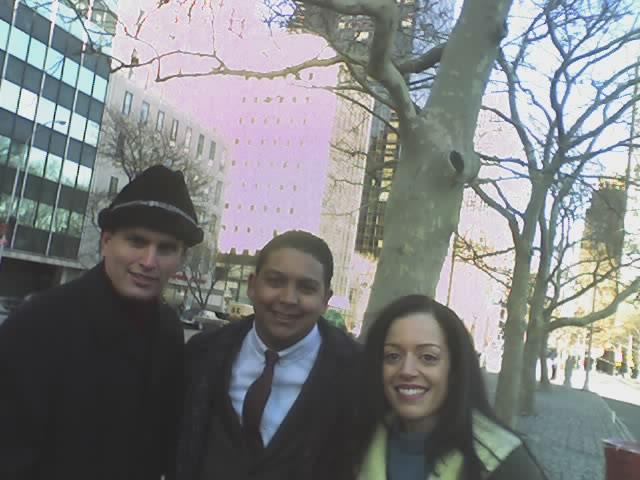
153	218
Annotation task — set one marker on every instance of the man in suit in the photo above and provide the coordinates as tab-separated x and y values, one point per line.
272	396
91	372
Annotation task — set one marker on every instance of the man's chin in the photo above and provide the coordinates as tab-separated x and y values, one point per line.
140	294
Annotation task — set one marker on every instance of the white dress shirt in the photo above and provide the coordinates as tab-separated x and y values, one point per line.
290	373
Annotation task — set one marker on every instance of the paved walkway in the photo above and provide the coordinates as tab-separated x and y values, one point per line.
566	435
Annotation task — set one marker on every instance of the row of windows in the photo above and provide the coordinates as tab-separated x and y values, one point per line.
281	187
45	138
43	111
258	164
45	165
127	102
275	141
20	73
236	228
71	19
265	121
277	98
265	208
41	215
35	57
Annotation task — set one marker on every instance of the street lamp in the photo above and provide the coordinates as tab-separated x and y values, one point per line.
3	240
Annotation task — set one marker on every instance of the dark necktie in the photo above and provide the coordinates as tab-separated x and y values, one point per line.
255	401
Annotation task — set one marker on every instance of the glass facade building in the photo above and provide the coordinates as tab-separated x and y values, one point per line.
54	60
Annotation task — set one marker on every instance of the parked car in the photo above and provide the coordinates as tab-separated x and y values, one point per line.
189	318
211	320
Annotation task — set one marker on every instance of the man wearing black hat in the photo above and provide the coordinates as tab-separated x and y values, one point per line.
91	371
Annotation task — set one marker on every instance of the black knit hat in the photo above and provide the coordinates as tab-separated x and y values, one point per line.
157	199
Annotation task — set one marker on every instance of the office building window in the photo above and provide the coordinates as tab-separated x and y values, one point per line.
218	193
200	146
113	186
212	150
174	130
126	103
144	113
187	139
160	121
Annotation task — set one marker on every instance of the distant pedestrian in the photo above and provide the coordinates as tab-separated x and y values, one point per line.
91	372
272	396
424	403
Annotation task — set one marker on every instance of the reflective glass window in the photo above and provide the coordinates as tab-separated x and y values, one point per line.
84	178
126	103
46	111
4	204
93	130
78	125
37	161
69	173
70	72
27	211
66	96
5	143
144	113
43	216
61	220
53	63
54	165
75	224
9	95
4	34
63	117
160	121
32	79
18	43
85	80
27	105
17	154
95	110
82	104
100	88
37	53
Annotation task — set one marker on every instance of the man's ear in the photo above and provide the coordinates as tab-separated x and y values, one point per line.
251	286
327	298
105	237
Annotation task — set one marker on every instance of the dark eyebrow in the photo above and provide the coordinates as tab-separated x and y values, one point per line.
274	271
422	345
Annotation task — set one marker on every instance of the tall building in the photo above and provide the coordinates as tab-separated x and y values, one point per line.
341	200
53	85
601	251
132	99
353	34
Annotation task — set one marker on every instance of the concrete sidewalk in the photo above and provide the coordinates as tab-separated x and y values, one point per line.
567	432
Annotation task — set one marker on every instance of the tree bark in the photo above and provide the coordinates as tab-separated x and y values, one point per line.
508	389
545	382
437	159
532	348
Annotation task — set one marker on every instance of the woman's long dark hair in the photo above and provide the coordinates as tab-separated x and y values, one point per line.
466	388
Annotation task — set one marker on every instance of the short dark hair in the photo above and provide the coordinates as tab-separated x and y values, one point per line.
466	389
305	242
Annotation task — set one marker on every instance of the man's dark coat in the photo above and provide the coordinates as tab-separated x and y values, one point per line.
88	390
314	441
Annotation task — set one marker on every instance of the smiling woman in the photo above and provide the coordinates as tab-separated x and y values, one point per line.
426	413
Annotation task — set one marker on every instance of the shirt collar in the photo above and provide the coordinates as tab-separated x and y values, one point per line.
303	347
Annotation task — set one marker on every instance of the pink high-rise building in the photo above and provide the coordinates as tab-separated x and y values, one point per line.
277	130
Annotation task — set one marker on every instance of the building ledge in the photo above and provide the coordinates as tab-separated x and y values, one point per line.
36	258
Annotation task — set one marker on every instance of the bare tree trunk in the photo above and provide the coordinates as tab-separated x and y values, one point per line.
421	215
437	159
545	382
532	349
508	387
